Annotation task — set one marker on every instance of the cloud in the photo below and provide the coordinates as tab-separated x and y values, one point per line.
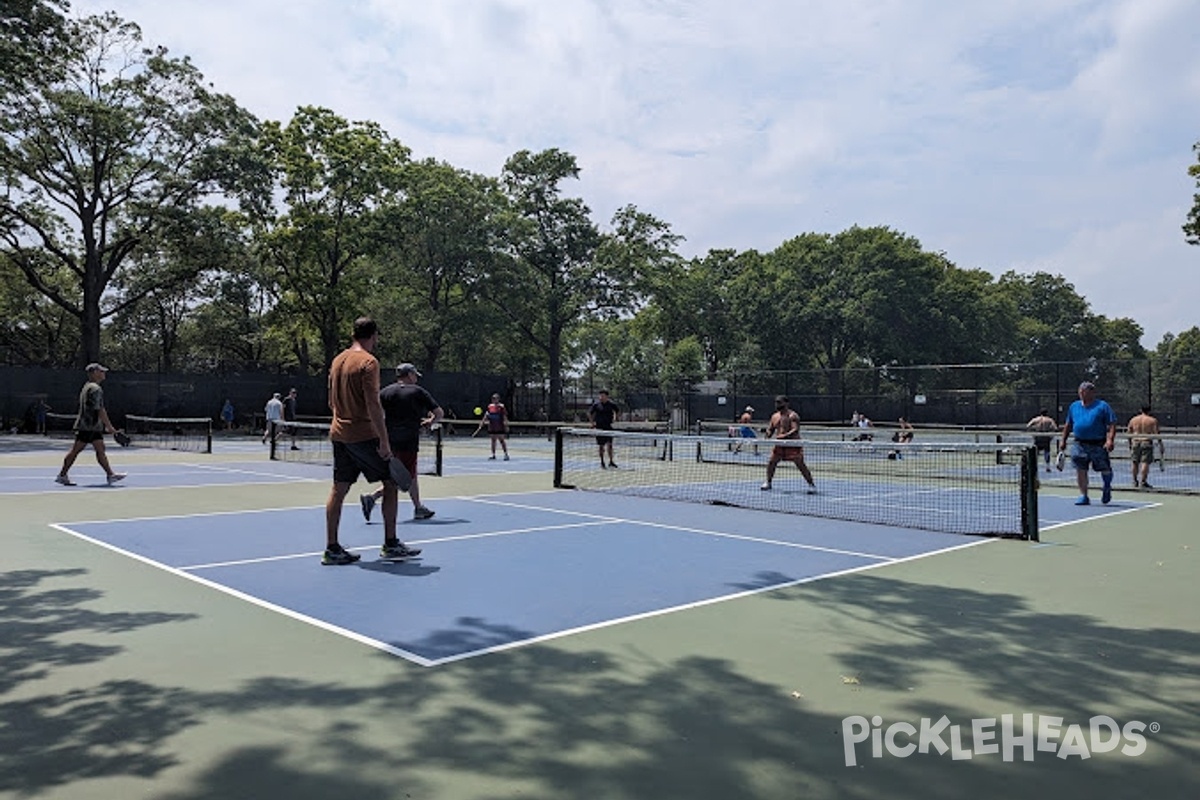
1021	134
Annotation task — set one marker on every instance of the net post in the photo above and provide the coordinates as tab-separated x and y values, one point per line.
208	439
558	458
437	451
273	438
1029	494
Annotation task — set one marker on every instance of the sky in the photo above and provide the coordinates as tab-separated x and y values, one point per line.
1024	135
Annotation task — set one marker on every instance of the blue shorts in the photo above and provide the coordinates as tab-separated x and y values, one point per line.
1093	455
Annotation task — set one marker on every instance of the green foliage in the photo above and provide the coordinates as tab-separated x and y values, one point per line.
1191	228
110	152
332	179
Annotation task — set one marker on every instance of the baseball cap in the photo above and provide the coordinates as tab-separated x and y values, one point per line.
1086	385
749	408
95	367
406	368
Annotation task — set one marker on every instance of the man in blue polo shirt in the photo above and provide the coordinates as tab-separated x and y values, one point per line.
1095	427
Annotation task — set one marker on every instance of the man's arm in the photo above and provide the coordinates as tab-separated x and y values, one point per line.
375	409
108	426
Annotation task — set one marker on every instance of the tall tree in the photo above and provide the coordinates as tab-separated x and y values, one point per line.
438	243
549	282
32	41
98	162
1191	228
313	189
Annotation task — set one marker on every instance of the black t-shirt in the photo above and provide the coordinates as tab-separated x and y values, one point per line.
289	409
603	414
404	406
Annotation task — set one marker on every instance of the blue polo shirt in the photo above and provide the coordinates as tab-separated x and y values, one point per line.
1090	423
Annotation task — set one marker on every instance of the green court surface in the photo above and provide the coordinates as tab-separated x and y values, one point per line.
122	680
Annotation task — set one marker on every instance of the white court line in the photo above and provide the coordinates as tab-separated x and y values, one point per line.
258	601
1109	512
697	604
704	532
881	561
463	537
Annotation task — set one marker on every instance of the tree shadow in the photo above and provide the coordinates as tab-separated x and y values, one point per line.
545	723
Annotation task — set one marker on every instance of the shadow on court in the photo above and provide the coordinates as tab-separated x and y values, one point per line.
546	723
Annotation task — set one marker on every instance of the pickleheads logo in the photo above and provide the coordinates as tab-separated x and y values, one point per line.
1007	736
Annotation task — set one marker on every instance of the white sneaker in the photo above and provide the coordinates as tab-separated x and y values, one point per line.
116	477
766	487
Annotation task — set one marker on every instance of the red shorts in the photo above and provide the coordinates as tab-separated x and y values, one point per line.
793	453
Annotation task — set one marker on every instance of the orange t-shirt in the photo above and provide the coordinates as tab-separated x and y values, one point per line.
353	385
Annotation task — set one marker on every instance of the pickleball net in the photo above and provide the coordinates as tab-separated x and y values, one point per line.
308	443
184	434
981	489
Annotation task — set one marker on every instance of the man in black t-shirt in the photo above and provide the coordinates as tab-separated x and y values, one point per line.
602	414
407	408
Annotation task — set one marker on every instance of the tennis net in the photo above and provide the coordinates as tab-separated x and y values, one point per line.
983	489
308	443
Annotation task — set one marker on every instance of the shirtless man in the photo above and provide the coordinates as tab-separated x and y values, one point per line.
1141	448
785	424
1044	425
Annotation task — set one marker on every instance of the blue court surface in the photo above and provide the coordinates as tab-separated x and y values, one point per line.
500	571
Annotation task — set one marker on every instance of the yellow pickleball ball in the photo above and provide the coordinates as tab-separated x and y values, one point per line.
478	411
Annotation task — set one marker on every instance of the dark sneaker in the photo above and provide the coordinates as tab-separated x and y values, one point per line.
1146	485
612	465
398	550
367	501
64	480
338	557
421	512
116	477
1106	495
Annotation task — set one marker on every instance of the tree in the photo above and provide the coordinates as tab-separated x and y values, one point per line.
1191	228
32	40
699	298
1055	323
549	281
438	243
97	163
332	177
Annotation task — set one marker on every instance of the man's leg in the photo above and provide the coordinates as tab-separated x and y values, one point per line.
1081	480
389	504
772	462
333	512
102	457
803	467
72	454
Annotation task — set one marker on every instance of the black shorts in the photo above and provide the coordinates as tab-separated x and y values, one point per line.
603	440
351	459
87	437
1042	442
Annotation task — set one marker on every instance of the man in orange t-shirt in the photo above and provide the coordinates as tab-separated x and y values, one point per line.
360	442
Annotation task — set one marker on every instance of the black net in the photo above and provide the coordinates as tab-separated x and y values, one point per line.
969	488
190	434
308	443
